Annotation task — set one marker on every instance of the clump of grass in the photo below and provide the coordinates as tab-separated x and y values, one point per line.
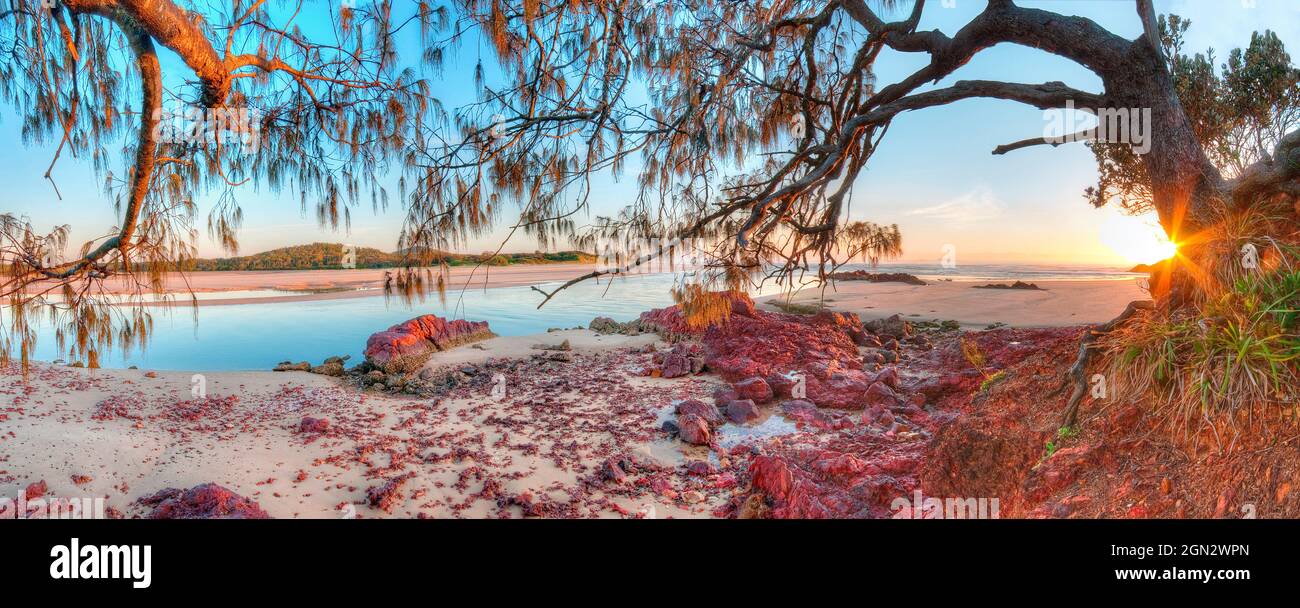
1063	434
1235	356
971	350
992	379
701	307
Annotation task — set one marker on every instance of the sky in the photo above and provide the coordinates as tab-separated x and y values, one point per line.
934	175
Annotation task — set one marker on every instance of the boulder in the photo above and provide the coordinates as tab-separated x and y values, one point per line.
329	368
694	430
893	326
881	395
707	411
289	366
799	409
206	501
313	425
742	411
755	389
889	376
700	468
406	346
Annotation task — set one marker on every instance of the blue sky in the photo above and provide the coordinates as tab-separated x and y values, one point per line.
934	175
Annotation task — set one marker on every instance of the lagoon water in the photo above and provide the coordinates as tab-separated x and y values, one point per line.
257	336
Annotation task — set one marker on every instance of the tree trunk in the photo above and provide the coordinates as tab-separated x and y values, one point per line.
1184	183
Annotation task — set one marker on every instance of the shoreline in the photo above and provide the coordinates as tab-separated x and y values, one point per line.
583	435
344	284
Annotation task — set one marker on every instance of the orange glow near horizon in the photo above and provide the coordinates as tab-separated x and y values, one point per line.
1138	239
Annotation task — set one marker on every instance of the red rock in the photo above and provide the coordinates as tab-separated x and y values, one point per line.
842	389
755	389
313	425
771	476
675	366
881	395
387	496
894	326
36	490
406	346
206	501
612	470
889	376
723	396
742	411
700	467
840	465
707	411
694	429
800	410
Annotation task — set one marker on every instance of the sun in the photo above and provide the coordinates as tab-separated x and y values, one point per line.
1138	239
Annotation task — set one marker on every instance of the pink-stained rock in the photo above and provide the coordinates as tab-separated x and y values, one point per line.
405	347
755	389
881	395
613	470
206	501
839	465
707	411
742	411
771	476
694	429
889	376
700	468
388	495
723	396
313	425
36	490
675	366
800	410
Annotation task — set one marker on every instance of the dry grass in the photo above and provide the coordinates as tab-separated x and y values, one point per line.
1234	359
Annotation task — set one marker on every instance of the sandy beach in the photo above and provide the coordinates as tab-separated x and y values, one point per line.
1057	304
542	450
127	434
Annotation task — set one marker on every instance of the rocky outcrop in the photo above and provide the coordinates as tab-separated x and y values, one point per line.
694	430
404	347
206	501
1016	285
783	352
742	411
877	277
707	411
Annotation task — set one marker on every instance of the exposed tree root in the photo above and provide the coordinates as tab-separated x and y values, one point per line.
1078	370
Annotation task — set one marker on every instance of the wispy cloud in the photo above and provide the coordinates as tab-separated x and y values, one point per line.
975	206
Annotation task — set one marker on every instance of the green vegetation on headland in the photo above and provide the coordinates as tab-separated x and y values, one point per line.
323	256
